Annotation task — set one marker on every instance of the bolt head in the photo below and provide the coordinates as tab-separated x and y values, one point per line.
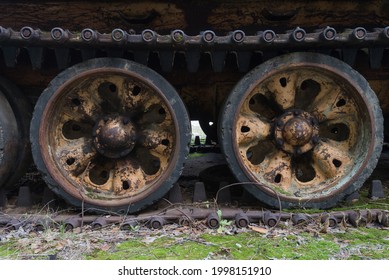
315	139
280	142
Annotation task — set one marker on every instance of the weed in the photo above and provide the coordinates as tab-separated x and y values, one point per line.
223	223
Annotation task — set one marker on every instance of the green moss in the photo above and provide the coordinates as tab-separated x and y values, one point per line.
8	250
364	243
196	155
162	248
254	246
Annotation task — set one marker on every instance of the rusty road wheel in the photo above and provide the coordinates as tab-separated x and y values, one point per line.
15	116
110	133
8	132
306	128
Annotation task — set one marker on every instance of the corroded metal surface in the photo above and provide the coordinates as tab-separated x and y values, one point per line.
109	137
204	64
189	215
8	133
298	131
15	114
151	40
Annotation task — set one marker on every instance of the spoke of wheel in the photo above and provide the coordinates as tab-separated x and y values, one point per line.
283	86
79	109
332	104
250	129
106	91
277	169
158	144
331	159
85	105
346	111
76	155
155	113
128	179
134	94
152	137
86	99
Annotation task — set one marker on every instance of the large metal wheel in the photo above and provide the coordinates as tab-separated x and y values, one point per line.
305	128
8	132
111	134
15	116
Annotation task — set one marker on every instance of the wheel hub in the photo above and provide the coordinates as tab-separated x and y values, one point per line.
114	136
296	132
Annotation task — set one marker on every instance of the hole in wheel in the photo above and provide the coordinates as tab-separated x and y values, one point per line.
154	114
304	171
278	178
125	185
74	130
136	90
112	88
162	111
337	163
307	93
260	104
70	161
165	142
104	174
98	176
76	101
107	88
76	127
283	82
338	132
149	163
257	154
244	129
341	102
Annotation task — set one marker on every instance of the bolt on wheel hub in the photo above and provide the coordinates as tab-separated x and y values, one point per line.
296	132
114	136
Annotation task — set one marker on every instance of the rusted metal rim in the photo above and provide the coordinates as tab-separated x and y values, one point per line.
303	130
15	116
109	137
8	133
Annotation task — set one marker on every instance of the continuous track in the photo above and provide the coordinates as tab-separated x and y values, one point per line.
91	42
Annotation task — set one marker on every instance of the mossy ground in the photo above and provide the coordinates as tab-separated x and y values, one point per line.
362	243
198	242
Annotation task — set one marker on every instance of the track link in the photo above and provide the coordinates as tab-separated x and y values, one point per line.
187	216
345	43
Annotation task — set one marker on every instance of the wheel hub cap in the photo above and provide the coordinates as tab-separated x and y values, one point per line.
114	136
296	132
